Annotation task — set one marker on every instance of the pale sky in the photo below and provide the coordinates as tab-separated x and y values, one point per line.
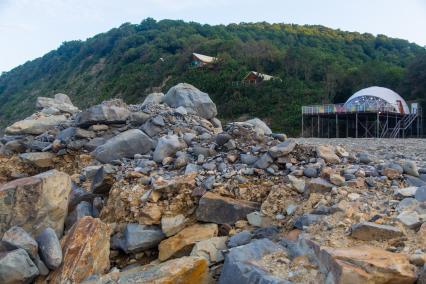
31	28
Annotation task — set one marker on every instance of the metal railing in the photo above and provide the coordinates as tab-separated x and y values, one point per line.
341	108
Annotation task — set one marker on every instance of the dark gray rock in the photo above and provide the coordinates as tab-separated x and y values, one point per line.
138	118
222	138
19	238
49	248
248	159
239	267
222	210
310	172
124	145
17	267
414	181
137	238
84	208
242	238
365	158
102	181
95	143
192	99
264	161
209	182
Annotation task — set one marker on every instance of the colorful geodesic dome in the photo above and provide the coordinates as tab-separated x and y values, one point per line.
377	98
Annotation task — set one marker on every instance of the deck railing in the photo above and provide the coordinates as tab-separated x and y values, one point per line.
341	108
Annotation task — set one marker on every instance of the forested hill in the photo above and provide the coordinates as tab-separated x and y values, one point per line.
315	64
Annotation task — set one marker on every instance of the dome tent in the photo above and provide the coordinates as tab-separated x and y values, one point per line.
376	97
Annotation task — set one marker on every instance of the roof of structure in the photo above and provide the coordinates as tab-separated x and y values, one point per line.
265	77
205	58
385	94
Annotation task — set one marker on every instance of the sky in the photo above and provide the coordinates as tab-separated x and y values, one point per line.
31	28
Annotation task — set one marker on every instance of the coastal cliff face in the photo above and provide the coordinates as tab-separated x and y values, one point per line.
161	192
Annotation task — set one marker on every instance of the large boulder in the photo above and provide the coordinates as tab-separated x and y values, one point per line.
35	125
109	112
366	264
60	102
223	210
35	203
154	98
85	250
192	99
188	269
17	237
240	264
259	126
167	146
17	267
124	145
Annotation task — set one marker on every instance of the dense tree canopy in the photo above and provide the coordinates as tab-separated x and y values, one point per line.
315	64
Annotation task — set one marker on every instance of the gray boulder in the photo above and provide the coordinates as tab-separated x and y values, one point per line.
167	146
49	248
17	267
19	238
84	208
259	126
60	102
110	112
282	149
410	168
192	99
36	125
124	145
240	267
154	98
137	238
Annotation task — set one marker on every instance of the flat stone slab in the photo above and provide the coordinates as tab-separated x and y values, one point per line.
368	231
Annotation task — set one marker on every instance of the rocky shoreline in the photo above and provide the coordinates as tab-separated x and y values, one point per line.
161	192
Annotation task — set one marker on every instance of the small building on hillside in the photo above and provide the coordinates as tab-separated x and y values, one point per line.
254	77
200	60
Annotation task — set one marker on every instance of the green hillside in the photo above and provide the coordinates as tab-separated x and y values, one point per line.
315	64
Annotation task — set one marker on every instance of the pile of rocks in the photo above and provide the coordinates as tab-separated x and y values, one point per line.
161	193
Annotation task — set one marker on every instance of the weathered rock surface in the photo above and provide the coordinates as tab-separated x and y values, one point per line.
17	267
167	146
328	153
370	231
124	145
35	203
36	125
85	252
222	210
182	243
240	264
210	249
39	159
110	112
259	126
192	99
366	265
18	237
60	102
282	149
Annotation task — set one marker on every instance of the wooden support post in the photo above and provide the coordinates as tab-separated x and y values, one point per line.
337	127
312	126
302	125
356	125
318	127
378	125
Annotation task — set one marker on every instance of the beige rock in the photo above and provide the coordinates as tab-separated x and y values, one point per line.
35	203
337	179
341	152
36	125
367	265
86	252
210	249
391	173
171	225
328	153
182	243
39	159
370	231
